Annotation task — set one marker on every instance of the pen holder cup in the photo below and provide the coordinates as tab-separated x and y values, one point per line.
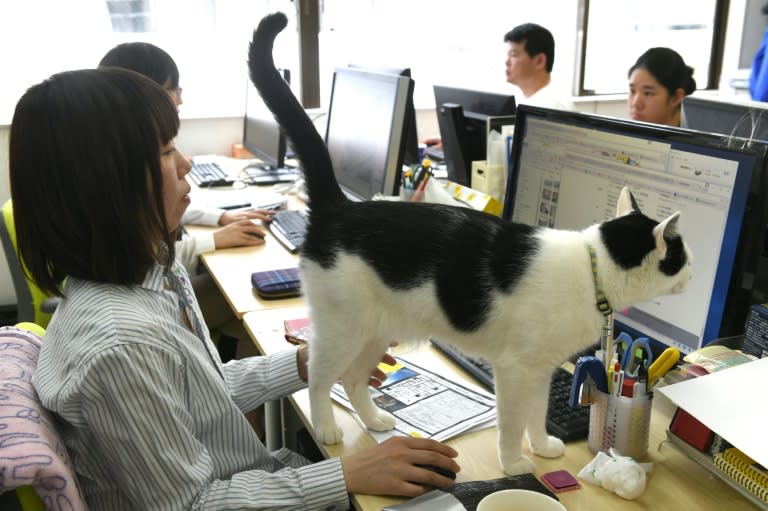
620	422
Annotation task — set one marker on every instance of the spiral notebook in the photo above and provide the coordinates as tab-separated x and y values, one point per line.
743	469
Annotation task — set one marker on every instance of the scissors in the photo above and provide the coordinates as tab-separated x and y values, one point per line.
622	344
639	352
668	358
589	372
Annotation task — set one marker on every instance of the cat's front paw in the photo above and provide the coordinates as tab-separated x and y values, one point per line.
329	434
521	465
382	421
552	448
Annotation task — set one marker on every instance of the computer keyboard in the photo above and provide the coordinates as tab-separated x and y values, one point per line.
209	174
564	422
289	226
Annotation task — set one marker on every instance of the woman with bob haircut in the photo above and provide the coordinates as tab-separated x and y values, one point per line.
152	418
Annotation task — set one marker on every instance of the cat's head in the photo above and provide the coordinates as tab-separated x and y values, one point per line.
652	255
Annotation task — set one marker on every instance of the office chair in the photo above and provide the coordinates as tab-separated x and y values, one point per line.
37	474
34	305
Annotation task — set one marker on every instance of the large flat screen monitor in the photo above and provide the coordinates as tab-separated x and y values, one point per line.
366	122
568	169
410	141
745	120
461	116
262	135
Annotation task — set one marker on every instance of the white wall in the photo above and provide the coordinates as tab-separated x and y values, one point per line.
216	135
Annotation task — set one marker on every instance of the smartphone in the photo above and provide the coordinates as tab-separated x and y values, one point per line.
276	284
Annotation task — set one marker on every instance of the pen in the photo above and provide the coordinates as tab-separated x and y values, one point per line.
616	366
607	341
418	195
641	385
618	382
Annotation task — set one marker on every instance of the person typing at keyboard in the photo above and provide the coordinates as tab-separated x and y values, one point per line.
238	228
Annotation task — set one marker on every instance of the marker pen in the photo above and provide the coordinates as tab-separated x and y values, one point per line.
618	382
641	385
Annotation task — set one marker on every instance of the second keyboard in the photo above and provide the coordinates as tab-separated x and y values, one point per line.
564	422
289	226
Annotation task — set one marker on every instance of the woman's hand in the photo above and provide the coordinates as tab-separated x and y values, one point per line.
390	468
377	375
239	233
228	217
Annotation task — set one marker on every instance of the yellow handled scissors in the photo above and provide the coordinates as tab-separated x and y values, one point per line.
661	365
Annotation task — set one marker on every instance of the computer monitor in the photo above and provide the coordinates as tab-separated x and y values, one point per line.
745	120
463	126
262	135
366	121
410	141
567	170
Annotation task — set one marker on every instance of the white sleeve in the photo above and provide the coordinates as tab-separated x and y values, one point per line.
202	216
188	248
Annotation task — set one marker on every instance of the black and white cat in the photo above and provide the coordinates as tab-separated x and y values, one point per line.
519	296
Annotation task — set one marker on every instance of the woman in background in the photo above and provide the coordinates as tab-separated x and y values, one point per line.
151	417
658	82
237	227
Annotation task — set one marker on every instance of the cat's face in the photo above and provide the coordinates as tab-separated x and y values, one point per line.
655	258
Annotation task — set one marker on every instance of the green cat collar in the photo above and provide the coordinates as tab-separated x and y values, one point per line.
602	302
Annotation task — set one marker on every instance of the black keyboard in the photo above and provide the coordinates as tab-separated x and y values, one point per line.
289	226
209	174
564	422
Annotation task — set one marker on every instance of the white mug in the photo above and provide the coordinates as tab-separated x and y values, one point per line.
510	500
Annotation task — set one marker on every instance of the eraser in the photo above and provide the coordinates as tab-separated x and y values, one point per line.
560	481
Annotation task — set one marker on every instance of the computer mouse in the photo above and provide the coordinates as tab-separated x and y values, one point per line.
443	472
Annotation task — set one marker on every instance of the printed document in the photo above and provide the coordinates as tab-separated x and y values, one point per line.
425	404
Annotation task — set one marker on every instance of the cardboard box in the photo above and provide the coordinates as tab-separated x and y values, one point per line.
489	179
756	336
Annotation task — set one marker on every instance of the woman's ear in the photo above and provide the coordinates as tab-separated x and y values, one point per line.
677	98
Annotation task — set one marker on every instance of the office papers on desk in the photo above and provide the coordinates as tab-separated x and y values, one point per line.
732	403
242	198
425	404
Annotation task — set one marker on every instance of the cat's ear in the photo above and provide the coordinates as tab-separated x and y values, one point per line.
626	203
666	228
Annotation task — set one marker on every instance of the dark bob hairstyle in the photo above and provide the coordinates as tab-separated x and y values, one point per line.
86	179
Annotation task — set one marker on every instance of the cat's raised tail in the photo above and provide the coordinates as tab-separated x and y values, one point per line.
322	187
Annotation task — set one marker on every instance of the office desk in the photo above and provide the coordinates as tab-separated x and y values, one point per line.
231	269
676	482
